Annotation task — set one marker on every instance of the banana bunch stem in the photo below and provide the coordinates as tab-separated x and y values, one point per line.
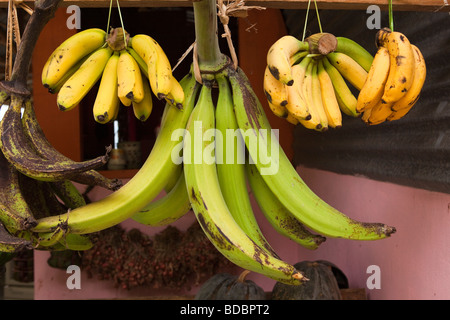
208	51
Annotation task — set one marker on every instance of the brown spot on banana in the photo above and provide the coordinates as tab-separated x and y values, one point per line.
399	60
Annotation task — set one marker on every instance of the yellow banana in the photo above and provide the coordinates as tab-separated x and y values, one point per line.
129	79
68	53
275	91
398	114
159	68
314	122
176	93
55	88
346	99
79	84
297	104
420	73
209	205
355	51
329	100
379	113
349	68
291	119
143	109
317	97
107	102
401	73
278	110
279	57
373	88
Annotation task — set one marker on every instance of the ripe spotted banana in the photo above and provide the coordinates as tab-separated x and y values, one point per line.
283	179
107	100
209	205
276	93
79	84
297	104
69	53
130	87
159	68
146	184
316	122
279	57
329	100
373	89
420	72
317	97
402	66
143	109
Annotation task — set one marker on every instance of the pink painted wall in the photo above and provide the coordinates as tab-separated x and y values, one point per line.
413	263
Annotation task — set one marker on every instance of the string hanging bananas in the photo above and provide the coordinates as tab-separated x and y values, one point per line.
394	80
314	82
137	64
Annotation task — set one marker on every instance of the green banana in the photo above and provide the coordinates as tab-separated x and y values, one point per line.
284	180
15	145
167	209
356	51
146	184
346	100
277	215
76	242
230	161
209	205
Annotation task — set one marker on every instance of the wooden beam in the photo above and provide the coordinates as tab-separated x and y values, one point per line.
399	5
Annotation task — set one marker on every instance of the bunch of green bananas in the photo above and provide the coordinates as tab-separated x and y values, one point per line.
394	81
128	69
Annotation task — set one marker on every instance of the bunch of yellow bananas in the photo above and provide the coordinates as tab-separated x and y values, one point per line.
128	69
394	81
307	82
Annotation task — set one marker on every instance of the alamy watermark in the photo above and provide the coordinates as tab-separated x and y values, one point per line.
263	149
374	280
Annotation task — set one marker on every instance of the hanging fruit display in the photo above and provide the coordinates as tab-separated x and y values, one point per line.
314	81
195	161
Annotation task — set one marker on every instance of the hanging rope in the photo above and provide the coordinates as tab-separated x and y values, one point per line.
235	8
13	33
